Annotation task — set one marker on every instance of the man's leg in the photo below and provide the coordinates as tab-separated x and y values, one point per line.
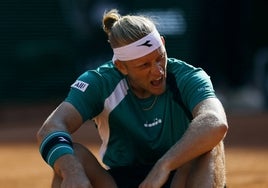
97	175
181	176
208	171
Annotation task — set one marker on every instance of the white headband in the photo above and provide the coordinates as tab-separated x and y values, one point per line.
138	48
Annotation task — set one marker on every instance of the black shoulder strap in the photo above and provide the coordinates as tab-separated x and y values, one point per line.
171	82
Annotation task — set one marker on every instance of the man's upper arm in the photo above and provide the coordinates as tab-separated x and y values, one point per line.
65	118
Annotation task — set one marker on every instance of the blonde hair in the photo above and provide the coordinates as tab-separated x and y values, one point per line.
123	30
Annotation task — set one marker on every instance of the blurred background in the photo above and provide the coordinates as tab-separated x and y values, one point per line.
46	44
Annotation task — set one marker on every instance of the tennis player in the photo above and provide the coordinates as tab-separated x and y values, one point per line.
159	119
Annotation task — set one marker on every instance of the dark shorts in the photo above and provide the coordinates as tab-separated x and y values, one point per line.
131	177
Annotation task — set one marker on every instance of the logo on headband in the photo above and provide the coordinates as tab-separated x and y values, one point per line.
147	43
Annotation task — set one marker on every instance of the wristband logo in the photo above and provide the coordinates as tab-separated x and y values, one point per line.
62	139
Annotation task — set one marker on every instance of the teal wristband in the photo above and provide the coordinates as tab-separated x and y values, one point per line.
58	151
56	145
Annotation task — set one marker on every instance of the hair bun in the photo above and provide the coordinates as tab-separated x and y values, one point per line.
109	18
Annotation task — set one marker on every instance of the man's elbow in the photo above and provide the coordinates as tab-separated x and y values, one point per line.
219	127
221	131
43	131
40	135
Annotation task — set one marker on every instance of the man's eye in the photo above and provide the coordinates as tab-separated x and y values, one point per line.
162	57
145	65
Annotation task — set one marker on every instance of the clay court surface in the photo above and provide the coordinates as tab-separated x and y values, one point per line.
22	167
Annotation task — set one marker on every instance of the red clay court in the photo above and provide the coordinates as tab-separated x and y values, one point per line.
21	164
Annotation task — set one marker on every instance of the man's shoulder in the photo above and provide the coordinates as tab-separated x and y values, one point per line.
175	63
106	71
179	68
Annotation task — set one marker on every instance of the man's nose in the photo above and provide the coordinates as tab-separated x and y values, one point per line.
157	69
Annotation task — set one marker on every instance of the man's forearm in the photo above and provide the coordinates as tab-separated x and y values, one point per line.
67	165
203	134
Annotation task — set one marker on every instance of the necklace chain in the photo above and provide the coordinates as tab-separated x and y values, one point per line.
152	105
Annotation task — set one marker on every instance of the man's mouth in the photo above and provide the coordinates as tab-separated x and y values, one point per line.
157	82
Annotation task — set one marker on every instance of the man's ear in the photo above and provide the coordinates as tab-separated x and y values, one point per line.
163	40
121	67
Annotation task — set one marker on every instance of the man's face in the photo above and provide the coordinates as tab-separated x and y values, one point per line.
146	75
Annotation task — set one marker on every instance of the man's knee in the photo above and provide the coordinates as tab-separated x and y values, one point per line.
208	170
210	167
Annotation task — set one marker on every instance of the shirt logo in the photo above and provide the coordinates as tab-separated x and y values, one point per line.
147	43
78	84
205	88
155	122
